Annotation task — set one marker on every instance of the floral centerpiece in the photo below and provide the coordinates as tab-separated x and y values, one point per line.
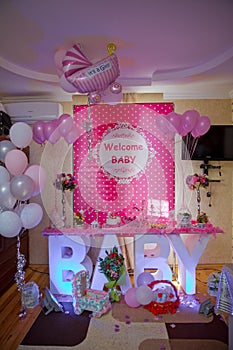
79	218
65	182
195	182
112	266
202	218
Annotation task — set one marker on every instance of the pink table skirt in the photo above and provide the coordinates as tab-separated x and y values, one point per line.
128	230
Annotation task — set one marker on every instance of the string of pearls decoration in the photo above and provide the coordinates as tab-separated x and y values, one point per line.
21	262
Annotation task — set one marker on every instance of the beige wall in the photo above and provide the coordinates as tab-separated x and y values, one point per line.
59	157
218	250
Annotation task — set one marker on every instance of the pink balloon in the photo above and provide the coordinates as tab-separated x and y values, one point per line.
56	122
38	174
38	132
182	132
52	131
63	117
37	140
130	298
115	88
175	120
16	162
189	120
66	85
195	133
49	128
72	136
203	125
95	97
55	136
66	124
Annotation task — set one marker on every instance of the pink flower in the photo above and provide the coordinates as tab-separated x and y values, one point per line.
197	181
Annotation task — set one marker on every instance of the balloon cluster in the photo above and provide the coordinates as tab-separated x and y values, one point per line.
78	74
53	130
161	300
183	124
142	295
19	181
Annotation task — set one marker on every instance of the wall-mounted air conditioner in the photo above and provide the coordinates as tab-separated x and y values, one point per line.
30	112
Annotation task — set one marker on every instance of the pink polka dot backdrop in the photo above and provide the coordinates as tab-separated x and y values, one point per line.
96	190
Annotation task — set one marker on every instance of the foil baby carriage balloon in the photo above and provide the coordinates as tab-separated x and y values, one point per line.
91	78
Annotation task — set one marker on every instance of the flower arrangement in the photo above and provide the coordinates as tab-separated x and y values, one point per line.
197	181
79	218
112	266
202	218
65	182
158	225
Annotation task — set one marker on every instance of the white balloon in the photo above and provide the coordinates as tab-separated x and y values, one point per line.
5	147
22	187
7	200
144	295
10	224
4	175
21	134
19	208
31	215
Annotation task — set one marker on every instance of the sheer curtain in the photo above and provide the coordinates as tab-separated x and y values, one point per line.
125	243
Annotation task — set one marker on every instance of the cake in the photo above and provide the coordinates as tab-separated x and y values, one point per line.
113	220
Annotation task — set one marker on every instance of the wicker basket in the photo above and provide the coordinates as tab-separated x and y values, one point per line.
166	299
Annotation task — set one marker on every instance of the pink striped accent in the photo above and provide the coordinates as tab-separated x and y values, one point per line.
91	79
74	61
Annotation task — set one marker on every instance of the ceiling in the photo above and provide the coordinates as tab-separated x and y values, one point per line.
181	48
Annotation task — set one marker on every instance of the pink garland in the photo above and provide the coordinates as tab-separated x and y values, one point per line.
126	231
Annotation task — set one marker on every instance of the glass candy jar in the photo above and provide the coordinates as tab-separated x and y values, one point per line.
184	218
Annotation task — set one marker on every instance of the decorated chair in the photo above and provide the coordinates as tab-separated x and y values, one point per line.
88	299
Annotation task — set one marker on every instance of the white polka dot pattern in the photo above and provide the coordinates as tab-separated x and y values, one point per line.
95	191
